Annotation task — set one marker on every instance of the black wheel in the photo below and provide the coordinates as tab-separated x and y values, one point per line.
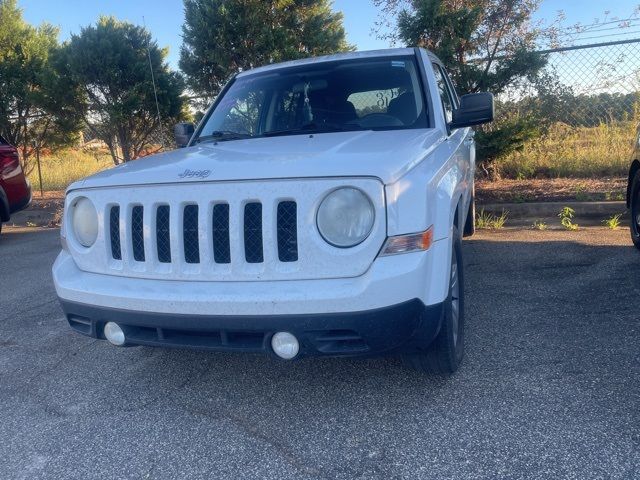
635	210
445	354
470	223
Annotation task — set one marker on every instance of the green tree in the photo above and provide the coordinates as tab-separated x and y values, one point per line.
33	97
486	45
223	37
109	66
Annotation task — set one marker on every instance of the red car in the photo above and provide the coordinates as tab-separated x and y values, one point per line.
15	190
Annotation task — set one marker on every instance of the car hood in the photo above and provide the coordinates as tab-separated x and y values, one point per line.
386	155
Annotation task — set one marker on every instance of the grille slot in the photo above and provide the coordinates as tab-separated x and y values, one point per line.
163	234
221	246
190	234
137	233
248	341
253	233
287	232
114	231
339	341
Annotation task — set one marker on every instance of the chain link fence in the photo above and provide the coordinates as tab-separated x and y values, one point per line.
587	103
584	85
160	139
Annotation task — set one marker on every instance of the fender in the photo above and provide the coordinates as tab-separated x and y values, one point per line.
428	195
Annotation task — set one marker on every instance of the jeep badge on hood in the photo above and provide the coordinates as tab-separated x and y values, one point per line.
195	173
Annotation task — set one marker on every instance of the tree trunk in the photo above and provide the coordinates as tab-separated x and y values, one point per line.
113	151
125	147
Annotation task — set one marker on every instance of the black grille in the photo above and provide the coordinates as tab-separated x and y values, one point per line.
114	228
163	234
253	232
221	247
137	234
287	232
190	226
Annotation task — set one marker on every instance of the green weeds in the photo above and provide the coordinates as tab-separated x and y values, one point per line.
490	221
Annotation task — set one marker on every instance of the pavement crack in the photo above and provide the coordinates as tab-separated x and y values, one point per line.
27	310
255	433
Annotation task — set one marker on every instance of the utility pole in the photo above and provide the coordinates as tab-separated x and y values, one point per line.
153	81
36	146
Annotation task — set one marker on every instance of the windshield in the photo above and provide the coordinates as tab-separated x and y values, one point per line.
370	94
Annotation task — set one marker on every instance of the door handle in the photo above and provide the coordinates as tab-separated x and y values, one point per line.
468	141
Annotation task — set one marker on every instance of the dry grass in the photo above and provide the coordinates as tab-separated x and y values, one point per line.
580	152
566	152
66	166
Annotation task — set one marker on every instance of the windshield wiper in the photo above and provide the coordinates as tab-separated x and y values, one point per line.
223	135
313	128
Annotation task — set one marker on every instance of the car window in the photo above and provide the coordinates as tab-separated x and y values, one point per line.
454	94
240	113
445	94
373	101
378	93
288	109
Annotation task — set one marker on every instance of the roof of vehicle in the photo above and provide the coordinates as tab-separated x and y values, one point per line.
388	52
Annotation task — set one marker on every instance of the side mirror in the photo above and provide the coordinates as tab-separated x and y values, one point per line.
475	109
182	133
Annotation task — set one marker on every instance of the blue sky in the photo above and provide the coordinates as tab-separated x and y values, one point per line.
164	18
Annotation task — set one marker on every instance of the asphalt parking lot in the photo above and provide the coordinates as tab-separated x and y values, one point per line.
550	387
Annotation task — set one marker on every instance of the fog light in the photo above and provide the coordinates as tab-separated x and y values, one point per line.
114	334
285	345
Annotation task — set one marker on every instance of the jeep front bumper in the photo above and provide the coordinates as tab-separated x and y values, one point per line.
396	304
408	326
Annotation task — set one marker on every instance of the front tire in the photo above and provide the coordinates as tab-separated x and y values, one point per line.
445	354
634	205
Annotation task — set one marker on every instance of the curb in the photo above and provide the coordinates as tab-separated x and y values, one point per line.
551	209
34	215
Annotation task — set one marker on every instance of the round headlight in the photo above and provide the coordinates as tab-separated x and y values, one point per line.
85	221
345	217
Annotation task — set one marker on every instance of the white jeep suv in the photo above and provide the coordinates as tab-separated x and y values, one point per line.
317	209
